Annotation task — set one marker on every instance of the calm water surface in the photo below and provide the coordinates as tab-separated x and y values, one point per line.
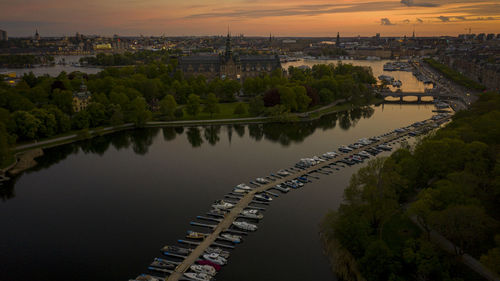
101	209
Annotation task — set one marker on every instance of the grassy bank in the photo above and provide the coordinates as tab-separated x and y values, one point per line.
455	76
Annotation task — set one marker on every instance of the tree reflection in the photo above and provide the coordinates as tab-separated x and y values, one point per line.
169	133
194	137
212	134
239	129
141	139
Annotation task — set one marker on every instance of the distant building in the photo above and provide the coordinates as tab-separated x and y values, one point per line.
338	39
81	99
37	36
228	65
3	35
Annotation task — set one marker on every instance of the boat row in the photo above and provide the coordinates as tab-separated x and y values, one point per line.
213	258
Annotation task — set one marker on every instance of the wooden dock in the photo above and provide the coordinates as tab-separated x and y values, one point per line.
245	201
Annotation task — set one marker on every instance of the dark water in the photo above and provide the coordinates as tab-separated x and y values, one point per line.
101	209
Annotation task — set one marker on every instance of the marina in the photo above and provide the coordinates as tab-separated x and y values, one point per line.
169	189
228	216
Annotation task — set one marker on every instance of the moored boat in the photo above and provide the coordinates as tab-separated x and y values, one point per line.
252	214
221	204
245	225
207	269
215	258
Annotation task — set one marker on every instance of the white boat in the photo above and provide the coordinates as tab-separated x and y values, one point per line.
297	182
283	173
245	225
282	188
263	197
261	180
198	276
252	214
231	238
237	190
218	251
207	269
243	186
215	258
221	204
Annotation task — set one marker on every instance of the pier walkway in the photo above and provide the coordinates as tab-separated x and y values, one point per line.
243	203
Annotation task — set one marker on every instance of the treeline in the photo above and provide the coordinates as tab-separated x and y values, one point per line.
455	76
17	61
41	107
449	183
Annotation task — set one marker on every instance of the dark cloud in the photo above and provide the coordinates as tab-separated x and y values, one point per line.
385	21
444	19
411	3
463	18
300	10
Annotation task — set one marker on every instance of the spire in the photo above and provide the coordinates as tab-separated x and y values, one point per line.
228	44
338	39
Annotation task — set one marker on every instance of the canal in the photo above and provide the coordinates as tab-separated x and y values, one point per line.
101	209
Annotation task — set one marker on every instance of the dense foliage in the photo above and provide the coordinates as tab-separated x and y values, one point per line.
449	183
306	88
42	107
454	75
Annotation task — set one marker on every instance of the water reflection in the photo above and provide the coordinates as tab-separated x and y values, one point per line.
141	139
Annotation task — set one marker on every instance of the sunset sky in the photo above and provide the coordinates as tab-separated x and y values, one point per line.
257	17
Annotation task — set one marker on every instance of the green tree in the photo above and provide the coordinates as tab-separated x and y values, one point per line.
377	263
179	113
97	114
26	125
193	105
466	226
80	120
138	113
5	153
303	100
48	123
373	188
212	104
168	105
492	258
326	96
256	106
287	98
63	100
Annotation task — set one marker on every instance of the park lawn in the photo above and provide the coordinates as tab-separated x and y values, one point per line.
397	230
226	112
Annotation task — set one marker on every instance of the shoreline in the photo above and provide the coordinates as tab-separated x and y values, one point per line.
22	150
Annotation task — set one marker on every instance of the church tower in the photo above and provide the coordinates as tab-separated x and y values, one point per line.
338	40
229	52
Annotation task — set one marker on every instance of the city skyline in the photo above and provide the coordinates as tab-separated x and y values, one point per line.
252	18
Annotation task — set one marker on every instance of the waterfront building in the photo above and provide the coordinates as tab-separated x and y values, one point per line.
228	65
3	35
81	99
